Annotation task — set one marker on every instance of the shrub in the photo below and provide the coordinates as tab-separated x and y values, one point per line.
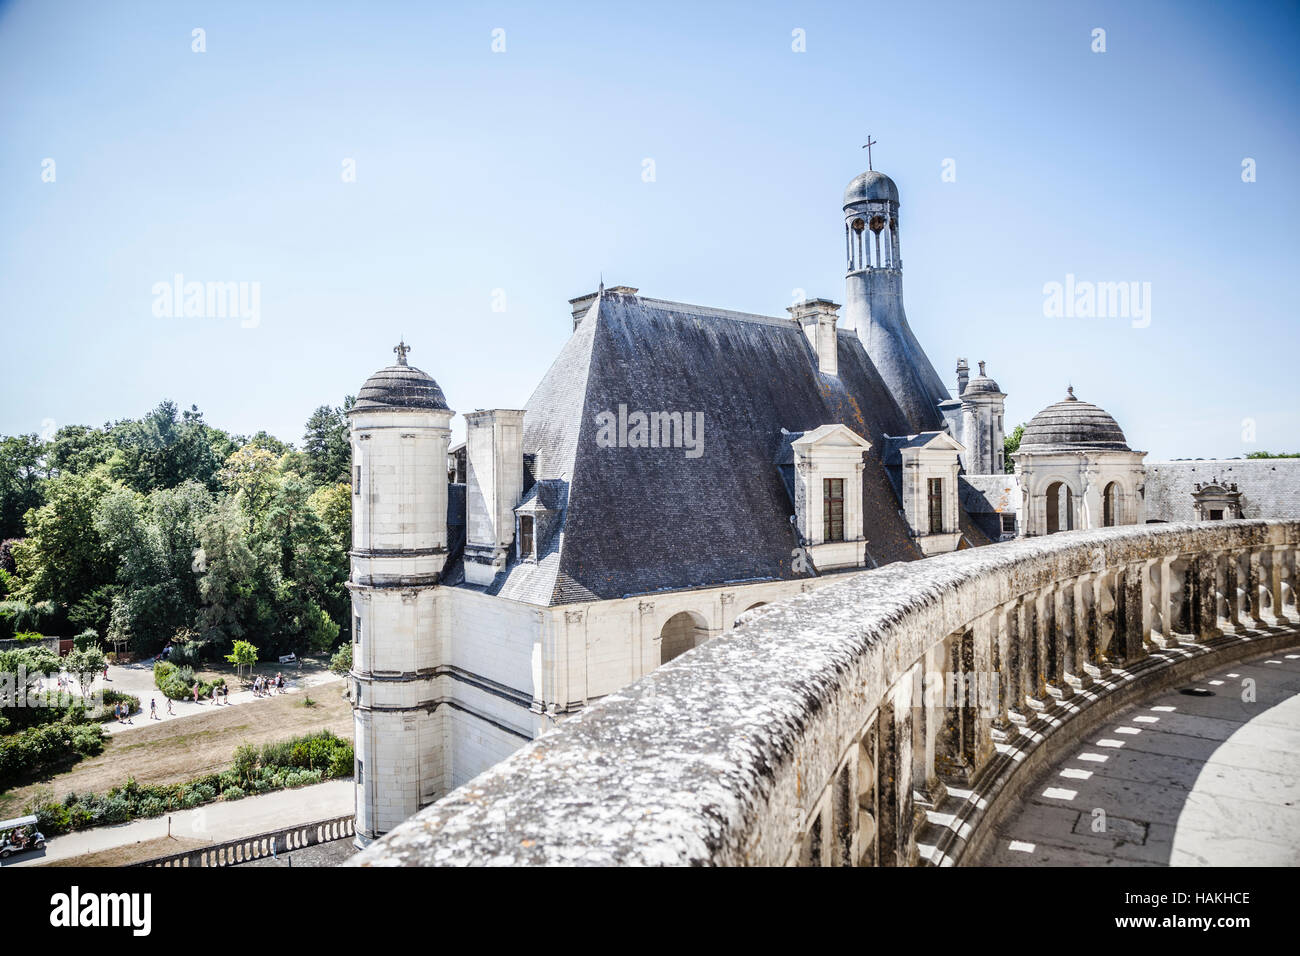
86	639
342	761
245	762
52	818
188	653
161	671
341	662
152	807
233	793
38	750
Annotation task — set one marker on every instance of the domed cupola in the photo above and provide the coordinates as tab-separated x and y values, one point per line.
400	386
872	185
981	384
1072	423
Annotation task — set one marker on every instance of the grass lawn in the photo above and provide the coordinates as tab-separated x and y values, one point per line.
133	853
177	750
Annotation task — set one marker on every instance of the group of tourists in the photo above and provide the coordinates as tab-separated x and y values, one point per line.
122	711
265	686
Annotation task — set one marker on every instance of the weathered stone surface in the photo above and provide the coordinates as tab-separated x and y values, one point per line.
725	755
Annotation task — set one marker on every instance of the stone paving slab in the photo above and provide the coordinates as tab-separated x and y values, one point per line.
1185	781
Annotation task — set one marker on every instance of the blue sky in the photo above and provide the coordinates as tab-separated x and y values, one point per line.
521	171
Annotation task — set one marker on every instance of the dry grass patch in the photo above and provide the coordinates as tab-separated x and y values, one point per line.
177	750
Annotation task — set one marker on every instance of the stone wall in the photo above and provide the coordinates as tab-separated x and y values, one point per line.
802	735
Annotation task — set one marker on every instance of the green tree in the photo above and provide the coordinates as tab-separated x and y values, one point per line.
251	474
327	445
84	664
226	572
1010	445
77	448
63	558
341	662
242	655
164	448
1269	454
22	472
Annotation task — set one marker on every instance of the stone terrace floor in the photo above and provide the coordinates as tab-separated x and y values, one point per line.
1180	780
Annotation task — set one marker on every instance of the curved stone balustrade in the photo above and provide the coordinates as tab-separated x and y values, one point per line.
244	849
881	720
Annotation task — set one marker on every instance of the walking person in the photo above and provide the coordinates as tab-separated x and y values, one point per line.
196	692
153	708
170	712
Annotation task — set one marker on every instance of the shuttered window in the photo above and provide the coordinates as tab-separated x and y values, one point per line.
833	509
525	536
936	505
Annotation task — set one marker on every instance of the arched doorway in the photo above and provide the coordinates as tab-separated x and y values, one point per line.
1110	505
1060	507
680	633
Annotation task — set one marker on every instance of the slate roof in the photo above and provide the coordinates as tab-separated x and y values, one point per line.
986	498
1072	423
400	386
1270	487
640	520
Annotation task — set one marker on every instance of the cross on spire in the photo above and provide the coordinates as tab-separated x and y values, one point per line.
867	146
401	349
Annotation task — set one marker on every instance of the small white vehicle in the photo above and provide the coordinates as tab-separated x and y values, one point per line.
20	835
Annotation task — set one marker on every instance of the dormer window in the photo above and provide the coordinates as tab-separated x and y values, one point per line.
526	538
828	466
927	465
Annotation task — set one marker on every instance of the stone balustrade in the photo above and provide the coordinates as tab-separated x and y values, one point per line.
885	719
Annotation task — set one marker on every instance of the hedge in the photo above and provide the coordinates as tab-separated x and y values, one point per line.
283	764
38	750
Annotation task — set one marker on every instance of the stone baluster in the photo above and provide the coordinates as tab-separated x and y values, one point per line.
1207	596
1056	624
1106	596
985	706
1257	590
1005	663
1085	630
1284	555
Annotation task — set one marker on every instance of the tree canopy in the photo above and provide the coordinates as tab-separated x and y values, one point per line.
148	528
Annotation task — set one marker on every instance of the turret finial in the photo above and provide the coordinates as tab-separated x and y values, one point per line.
867	146
1069	394
401	349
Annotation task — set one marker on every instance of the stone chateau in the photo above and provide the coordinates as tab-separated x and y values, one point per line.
679	466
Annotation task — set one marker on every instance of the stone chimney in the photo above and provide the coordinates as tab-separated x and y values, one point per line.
494	484
963	376
817	318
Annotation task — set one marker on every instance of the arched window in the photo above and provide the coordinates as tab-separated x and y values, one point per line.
1110	505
